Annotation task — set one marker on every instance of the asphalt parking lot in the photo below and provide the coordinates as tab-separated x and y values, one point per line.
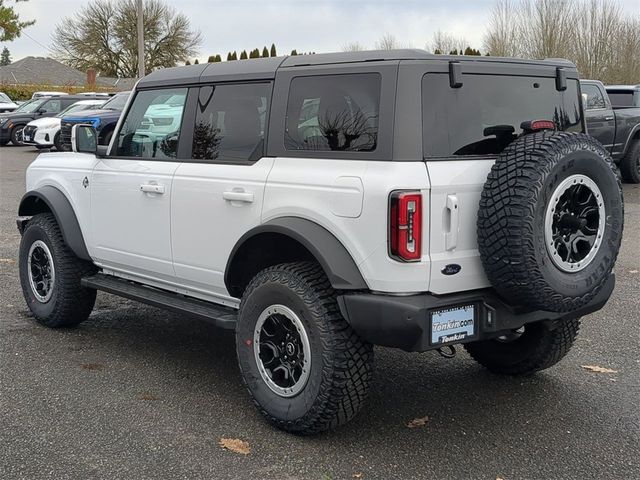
137	393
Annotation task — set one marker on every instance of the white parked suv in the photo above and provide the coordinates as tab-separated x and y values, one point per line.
6	104
319	205
45	132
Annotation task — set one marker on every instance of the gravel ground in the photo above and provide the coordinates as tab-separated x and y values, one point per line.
137	393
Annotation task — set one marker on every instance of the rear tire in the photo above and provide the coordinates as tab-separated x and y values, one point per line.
50	275
540	346
630	164
305	368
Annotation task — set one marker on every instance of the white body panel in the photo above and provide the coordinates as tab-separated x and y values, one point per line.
153	237
212	206
131	227
455	196
66	172
350	199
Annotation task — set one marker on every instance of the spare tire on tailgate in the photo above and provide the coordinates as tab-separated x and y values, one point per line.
550	221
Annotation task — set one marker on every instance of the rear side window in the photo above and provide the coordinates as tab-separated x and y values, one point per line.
52	106
151	128
592	97
333	112
230	122
621	98
484	115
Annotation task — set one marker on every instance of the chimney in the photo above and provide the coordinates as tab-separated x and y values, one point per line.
91	76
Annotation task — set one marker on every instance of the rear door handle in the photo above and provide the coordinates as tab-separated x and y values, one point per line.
152	188
238	196
451	237
609	118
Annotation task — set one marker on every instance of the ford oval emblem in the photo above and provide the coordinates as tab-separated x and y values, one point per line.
451	269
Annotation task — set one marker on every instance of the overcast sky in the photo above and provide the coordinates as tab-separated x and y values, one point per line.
320	25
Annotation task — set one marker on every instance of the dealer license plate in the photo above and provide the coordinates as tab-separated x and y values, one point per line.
453	325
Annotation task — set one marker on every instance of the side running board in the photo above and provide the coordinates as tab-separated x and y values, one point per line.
221	316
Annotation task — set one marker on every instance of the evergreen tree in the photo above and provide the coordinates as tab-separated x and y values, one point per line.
5	57
196	62
211	59
255	53
273	50
454	52
218	58
234	55
229	57
243	55
187	62
265	52
437	52
294	52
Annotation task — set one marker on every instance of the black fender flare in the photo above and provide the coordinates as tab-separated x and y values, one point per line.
630	139
335	260
59	205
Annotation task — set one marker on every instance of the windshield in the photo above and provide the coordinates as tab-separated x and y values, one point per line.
117	102
77	107
4	98
31	106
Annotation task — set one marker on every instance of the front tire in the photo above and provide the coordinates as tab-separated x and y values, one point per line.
50	275
57	143
16	135
525	351
305	368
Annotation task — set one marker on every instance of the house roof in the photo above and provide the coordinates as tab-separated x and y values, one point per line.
47	71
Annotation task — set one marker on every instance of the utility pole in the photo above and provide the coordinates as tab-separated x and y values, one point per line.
140	40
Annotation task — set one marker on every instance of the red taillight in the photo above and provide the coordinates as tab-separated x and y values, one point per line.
537	125
405	226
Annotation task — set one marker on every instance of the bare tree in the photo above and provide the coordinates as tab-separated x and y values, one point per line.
100	36
594	46
443	42
353	47
388	42
594	34
502	37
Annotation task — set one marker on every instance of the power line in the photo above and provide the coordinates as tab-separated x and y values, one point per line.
38	42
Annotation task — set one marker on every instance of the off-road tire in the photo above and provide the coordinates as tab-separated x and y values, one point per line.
630	163
542	345
341	362
511	220
16	135
70	303
57	143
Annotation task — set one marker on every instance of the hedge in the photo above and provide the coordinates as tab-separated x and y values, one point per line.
24	92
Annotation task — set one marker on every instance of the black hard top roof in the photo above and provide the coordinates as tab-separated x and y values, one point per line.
265	68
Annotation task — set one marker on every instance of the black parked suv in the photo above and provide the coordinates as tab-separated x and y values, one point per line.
12	124
104	120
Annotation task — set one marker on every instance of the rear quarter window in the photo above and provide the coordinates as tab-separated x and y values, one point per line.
333	113
484	115
622	98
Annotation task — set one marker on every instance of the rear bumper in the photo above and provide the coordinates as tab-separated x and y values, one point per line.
403	321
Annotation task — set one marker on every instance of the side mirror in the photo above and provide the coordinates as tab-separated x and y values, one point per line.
41	111
84	139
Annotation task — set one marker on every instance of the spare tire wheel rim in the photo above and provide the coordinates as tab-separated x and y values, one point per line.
41	271
282	350
574	223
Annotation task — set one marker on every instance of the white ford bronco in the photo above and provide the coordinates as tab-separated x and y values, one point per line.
319	205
